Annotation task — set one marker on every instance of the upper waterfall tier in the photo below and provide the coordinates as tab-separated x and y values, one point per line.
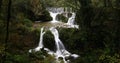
55	23
60	10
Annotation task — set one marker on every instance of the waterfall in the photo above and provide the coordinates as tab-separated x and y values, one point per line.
40	45
61	51
54	12
60	48
53	15
71	19
59	44
40	41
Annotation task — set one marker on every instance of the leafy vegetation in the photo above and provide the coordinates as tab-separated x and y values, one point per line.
97	40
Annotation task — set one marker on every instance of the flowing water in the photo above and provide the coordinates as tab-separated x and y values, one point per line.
60	52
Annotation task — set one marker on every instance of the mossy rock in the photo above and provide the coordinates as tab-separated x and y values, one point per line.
62	18
44	17
69	15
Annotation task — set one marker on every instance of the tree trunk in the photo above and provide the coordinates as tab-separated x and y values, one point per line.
0	5
7	28
7	23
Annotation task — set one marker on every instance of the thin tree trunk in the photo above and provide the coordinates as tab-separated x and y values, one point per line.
7	24
0	5
8	20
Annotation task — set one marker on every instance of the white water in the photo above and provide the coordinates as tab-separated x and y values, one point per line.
71	19
40	45
53	15
54	12
60	48
61	51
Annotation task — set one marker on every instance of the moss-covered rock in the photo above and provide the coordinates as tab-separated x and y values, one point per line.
44	17
62	18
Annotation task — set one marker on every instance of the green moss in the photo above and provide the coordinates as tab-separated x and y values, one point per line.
45	16
62	18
